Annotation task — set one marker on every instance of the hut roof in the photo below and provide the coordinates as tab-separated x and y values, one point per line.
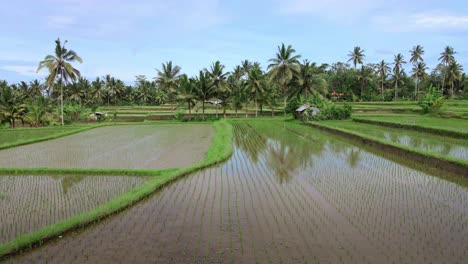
302	108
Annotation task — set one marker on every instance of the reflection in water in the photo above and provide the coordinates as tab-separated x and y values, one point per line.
354	154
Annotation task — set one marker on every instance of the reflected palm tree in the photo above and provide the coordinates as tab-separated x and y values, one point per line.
354	156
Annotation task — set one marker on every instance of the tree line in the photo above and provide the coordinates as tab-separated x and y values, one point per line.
248	83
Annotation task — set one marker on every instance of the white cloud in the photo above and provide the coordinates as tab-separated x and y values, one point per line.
336	10
421	22
22	69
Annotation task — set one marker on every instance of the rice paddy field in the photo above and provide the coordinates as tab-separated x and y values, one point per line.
116	147
28	203
18	135
443	145
288	194
450	124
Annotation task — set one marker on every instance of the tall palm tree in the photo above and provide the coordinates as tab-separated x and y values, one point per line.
246	67
167	77
186	91
383	69
416	54
61	71
306	81
356	56
454	73
446	58
283	67
236	85
398	70
218	78
203	88
255	84
419	74
364	76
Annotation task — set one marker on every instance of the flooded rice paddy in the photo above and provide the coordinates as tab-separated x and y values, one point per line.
117	147
28	203
289	194
445	145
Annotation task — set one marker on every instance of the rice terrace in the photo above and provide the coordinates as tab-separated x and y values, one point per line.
275	159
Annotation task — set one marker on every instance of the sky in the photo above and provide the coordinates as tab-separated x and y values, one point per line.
128	38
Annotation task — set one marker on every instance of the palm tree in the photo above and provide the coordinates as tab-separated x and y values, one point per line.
236	85
454	73
364	76
97	91
221	89
246	67
446	58
306	81
167	78
60	69
12	105
356	56
203	88
383	70
35	89
186	91
416	54
419	74
398	70
284	67
255	84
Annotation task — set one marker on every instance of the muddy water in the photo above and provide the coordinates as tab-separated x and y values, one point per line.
289	194
118	147
28	203
444	145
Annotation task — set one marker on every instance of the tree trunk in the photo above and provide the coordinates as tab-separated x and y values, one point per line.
61	101
272	111
256	111
189	110
224	111
416	89
451	91
246	110
284	94
396	90
383	96
203	108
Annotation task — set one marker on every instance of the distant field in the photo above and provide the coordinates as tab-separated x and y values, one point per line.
9	136
457	148
419	120
117	147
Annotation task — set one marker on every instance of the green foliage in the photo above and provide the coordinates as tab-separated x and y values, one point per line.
432	101
75	112
328	110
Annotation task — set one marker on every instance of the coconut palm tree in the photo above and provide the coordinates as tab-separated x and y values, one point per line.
454	73
363	77
12	105
218	78
97	91
61	71
419	74
416	54
383	69
446	58
356	56
246	67
186	91
236	85
256	84
283	68
203	88
306	82
398	70
167	78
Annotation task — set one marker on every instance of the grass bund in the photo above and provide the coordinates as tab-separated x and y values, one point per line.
220	149
454	165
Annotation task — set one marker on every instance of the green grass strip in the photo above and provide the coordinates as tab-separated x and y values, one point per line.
432	130
220	150
429	158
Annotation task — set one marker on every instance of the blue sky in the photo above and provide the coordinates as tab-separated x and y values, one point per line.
128	38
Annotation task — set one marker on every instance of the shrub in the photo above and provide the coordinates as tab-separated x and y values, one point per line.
328	110
432	101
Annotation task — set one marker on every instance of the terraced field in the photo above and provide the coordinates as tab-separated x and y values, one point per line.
28	203
443	145
118	147
289	194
